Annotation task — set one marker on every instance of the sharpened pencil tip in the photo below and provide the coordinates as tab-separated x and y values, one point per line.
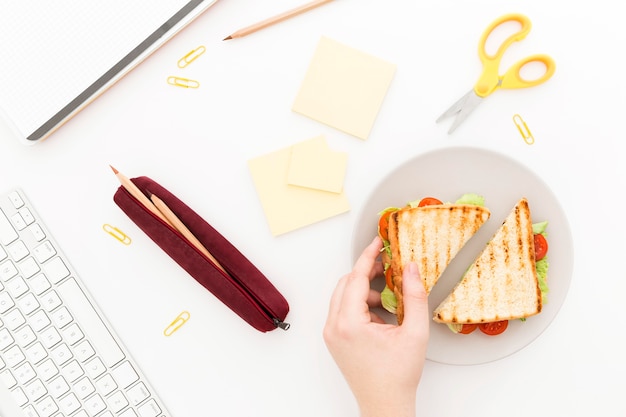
115	171
227	38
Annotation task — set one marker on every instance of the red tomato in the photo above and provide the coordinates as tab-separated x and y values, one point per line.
383	225
468	328
388	278
429	201
541	247
493	328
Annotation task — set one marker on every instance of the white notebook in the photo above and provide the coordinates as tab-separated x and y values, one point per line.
57	56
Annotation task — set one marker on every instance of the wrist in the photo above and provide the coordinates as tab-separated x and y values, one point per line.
404	407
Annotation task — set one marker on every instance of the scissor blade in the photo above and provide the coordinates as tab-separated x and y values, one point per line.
462	108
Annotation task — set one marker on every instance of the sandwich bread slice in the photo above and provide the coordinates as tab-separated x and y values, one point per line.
502	282
430	236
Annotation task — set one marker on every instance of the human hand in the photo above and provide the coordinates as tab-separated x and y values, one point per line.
382	363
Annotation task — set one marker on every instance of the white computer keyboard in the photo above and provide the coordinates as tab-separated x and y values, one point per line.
58	354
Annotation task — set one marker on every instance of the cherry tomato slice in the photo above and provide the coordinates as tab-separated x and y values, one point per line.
493	328
468	328
541	247
389	279
383	225
429	201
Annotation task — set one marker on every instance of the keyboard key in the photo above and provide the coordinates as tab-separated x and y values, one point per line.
6	339
6	302
84	388
19	396
58	386
50	337
69	403
56	270
29	267
36	353
62	317
16	199
37	232
7	270
106	384
95	367
18	251
39	321
27	216
14	319
61	354
46	407
48	370
13	356
149	409
138	394
73	371
40	284
7	233
84	351
117	402
95	405
84	312
125	375
25	336
44	251
17	287
28	304
18	221
35	390
24	373
6	377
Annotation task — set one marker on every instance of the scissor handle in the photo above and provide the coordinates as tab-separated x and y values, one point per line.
490	78
513	79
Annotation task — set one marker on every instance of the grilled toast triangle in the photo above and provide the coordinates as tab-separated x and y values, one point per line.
502	282
431	236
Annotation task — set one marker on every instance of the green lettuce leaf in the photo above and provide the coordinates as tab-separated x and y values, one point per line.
389	301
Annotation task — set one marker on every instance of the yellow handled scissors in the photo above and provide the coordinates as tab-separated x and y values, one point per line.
490	79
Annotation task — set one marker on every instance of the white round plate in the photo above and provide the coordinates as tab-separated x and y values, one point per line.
447	174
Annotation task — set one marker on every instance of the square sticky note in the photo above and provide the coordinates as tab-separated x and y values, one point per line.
344	88
288	207
314	165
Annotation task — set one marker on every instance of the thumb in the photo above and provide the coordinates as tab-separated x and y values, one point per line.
416	312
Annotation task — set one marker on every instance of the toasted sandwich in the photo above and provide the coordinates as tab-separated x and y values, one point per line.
430	236
502	283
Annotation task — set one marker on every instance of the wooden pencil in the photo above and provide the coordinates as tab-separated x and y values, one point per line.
276	19
180	226
136	192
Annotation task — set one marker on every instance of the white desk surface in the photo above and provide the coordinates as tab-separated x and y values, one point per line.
197	143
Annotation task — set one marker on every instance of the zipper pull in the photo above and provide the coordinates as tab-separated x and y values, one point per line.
281	324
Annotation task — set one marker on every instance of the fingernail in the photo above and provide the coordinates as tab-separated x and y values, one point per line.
412	268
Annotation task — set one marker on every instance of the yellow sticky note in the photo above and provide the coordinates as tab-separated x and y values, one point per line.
344	88
314	165
288	207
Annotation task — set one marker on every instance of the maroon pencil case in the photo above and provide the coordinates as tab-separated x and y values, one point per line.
244	289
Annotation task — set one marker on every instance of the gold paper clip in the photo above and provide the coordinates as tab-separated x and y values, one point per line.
117	233
523	129
191	56
181	319
183	82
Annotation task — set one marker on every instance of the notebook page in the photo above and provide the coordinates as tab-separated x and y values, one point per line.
52	51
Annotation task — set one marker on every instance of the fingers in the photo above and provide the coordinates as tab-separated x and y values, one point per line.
335	299
357	287
377	270
373	299
416	313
